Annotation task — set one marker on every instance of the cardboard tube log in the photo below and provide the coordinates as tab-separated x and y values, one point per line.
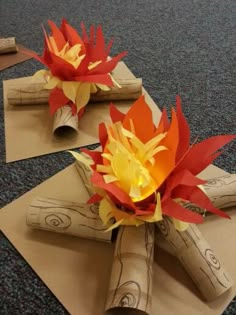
131	276
64	122
161	242
85	174
34	93
220	190
67	217
198	259
8	45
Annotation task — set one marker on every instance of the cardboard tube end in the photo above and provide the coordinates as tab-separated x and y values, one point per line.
68	131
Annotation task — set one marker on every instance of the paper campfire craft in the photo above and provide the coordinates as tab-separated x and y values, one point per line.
79	70
143	175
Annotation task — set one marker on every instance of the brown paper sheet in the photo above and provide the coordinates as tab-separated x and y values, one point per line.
8	60
131	277
82	285
33	124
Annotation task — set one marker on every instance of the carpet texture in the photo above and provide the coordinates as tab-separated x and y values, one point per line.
185	47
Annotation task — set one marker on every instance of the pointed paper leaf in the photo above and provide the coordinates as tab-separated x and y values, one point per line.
94	199
84	33
96	78
109	45
79	157
52	83
99	49
80	112
198	156
183	177
174	210
141	115
95	155
180	225
102	134
41	73
98	181
184	131
61	68
62	27
82	95
57	99
70	89
108	66
46	39
91	39
198	197
46	57
57	35
171	139
35	56
163	124
115	225
115	114
74	37
165	160
105	211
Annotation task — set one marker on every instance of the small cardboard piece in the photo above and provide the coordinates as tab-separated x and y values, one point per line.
11	59
8	45
78	271
33	124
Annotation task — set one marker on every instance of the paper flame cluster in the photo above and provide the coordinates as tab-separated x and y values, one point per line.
77	65
145	171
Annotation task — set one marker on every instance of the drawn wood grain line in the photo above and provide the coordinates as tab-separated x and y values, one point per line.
209	279
67	208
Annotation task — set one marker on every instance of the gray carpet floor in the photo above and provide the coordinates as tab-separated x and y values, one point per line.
177	46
